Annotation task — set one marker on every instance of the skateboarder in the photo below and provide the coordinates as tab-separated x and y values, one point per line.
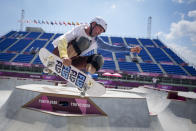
73	45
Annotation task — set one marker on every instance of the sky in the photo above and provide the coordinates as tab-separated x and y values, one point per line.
173	21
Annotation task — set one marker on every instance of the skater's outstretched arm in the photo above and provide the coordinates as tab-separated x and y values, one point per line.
113	48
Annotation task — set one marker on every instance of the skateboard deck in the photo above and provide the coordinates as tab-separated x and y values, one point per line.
71	74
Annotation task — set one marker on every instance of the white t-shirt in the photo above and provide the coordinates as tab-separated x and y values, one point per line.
76	33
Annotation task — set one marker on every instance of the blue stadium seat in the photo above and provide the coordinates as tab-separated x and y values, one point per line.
36	44
105	53
145	57
116	40
173	69
105	38
37	61
6	43
109	65
57	35
9	34
131	41
6	57
159	43
148	67
46	36
23	58
19	34
50	47
20	45
158	54
174	56
121	55
128	66
33	35
147	42
191	70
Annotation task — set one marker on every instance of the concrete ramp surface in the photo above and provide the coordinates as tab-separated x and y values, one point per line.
123	113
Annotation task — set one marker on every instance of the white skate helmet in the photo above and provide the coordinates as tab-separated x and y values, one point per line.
100	21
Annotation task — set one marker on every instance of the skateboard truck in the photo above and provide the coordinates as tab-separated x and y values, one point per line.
50	61
84	89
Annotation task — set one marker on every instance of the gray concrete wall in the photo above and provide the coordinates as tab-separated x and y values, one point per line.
123	114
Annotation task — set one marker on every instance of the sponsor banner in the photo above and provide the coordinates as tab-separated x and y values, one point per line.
64	105
183	77
173	88
106	70
159	75
35	76
46	77
168	87
32	76
21	64
112	71
105	82
120	83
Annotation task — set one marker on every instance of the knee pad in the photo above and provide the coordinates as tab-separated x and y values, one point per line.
81	44
96	60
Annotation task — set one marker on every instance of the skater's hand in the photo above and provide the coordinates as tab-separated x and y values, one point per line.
67	61
90	68
136	49
71	51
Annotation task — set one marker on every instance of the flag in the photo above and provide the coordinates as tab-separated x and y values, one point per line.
39	21
29	21
43	22
77	23
21	21
35	21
